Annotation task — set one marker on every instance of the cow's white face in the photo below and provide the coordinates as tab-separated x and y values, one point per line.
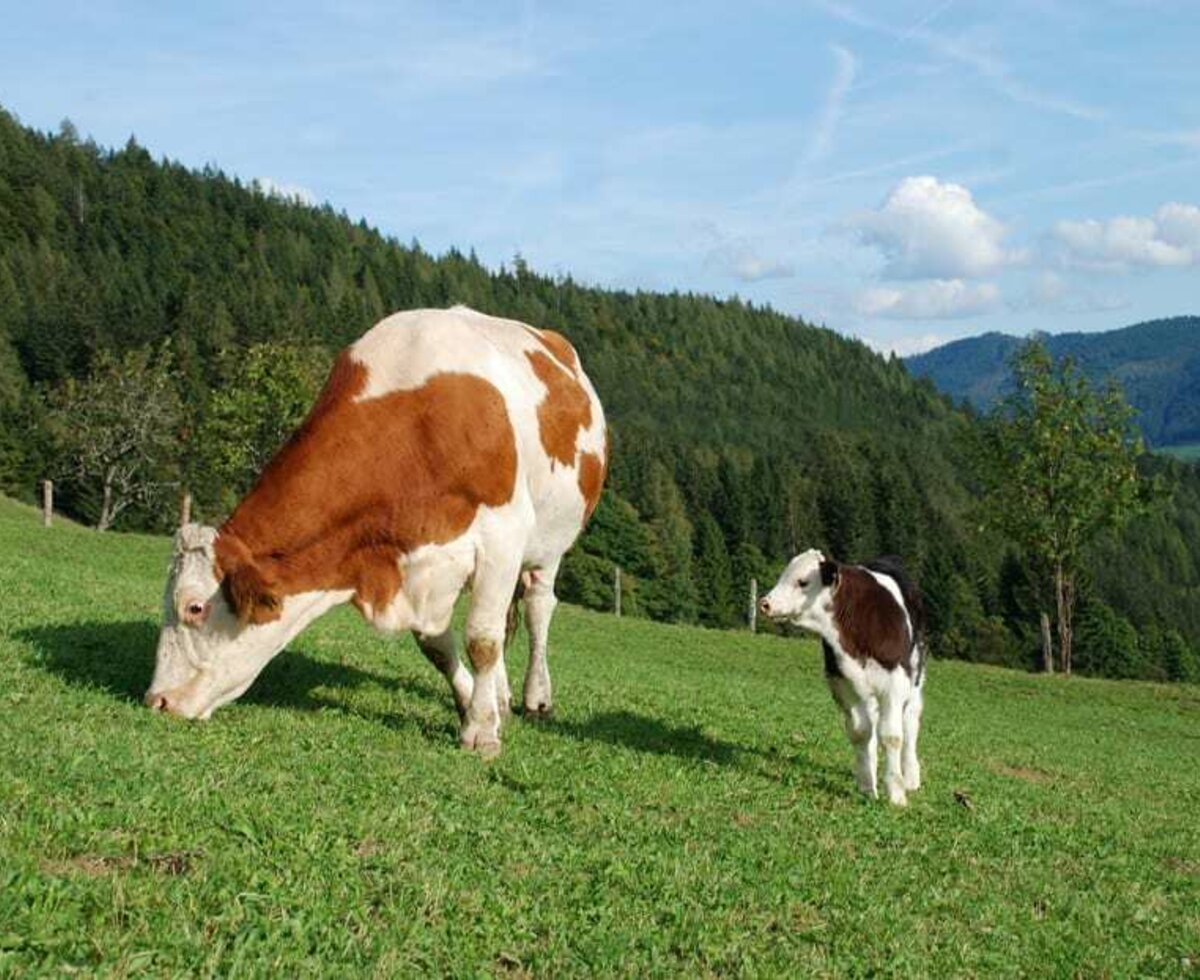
206	657
802	592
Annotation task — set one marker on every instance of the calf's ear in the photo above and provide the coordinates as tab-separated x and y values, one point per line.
829	573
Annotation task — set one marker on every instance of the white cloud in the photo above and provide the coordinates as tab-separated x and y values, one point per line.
932	230
989	65
1050	291
938	299
1168	238
907	346
289	192
742	261
831	111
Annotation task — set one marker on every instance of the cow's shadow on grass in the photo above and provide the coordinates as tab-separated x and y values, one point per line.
627	729
119	658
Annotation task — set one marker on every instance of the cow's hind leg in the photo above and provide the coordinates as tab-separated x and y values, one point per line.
540	603
439	651
495	582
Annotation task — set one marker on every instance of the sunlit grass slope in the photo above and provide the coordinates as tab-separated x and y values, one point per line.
689	811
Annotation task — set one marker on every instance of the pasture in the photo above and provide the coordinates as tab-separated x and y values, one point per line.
690	810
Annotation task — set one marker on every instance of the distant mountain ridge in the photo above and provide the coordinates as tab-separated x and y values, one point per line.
1157	363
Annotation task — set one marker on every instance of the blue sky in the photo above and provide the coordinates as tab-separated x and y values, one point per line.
903	172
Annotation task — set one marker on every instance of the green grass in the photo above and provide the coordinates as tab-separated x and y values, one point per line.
1188	452
689	811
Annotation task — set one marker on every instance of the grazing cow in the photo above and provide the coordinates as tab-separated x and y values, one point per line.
871	623
447	449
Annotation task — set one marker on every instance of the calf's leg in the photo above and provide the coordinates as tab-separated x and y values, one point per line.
912	728
860	719
891	734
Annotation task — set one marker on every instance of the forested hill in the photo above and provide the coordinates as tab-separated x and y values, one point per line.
740	434
1157	363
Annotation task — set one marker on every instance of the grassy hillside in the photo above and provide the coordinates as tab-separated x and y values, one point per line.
1157	363
689	811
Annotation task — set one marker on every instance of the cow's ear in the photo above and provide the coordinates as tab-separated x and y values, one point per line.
829	573
251	594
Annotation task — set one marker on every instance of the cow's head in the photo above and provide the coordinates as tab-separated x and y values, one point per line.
221	626
803	591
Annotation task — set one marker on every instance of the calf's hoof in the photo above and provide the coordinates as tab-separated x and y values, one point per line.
896	796
539	711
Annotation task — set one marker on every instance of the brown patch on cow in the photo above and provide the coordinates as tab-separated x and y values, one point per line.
362	483
870	624
564	412
558	345
483	653
591	482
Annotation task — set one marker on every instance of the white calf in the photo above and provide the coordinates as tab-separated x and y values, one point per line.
871	623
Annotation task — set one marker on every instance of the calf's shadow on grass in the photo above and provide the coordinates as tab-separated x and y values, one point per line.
119	658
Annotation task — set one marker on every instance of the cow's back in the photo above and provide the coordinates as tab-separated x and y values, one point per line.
557	419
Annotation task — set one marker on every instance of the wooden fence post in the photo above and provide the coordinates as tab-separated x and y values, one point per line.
47	502
753	605
617	589
185	508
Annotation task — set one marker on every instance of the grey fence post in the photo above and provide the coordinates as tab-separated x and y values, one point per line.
753	604
617	590
47	502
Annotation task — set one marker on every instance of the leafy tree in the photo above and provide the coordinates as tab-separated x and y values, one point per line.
115	433
265	394
1059	465
714	575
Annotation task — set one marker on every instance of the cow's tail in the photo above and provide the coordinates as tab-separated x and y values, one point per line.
512	622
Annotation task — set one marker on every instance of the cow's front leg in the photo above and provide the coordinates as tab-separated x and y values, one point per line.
439	651
495	582
481	725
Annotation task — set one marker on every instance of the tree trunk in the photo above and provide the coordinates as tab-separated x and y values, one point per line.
104	522
1047	645
1064	598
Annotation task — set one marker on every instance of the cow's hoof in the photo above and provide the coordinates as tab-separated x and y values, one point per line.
482	743
539	712
897	797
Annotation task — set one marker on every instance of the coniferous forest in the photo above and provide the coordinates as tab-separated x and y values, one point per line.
740	435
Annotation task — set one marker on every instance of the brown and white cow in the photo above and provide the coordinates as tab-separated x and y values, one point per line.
447	449
870	620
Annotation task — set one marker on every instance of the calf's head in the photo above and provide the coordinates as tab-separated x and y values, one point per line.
221	625
804	591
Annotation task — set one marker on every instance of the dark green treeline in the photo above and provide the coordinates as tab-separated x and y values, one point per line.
740	435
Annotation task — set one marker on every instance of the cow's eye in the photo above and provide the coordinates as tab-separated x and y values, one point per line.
800	582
